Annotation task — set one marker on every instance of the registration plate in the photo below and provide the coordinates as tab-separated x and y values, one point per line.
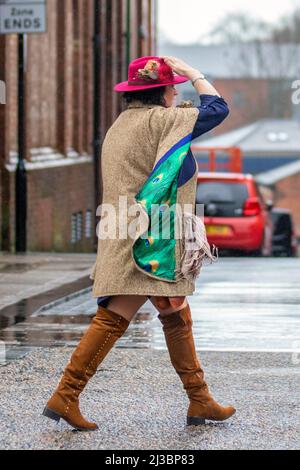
217	230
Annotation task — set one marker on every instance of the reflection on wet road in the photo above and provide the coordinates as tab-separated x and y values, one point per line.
239	304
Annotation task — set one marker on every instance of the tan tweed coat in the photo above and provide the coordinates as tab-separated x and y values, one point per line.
138	138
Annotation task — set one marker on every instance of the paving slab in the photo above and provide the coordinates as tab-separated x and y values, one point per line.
25	275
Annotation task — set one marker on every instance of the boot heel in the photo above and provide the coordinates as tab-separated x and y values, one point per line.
194	420
51	414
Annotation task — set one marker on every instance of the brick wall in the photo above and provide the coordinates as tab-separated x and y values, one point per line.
60	114
2	132
287	195
54	194
245	98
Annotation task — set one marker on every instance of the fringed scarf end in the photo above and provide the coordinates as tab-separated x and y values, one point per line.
196	249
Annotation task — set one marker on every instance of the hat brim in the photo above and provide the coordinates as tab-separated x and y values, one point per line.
123	86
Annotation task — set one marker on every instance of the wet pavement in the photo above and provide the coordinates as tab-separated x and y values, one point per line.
23	276
248	308
138	401
240	304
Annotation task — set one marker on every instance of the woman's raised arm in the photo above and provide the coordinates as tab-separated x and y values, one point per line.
202	85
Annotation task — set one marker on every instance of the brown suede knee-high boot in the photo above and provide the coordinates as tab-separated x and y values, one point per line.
177	329
106	327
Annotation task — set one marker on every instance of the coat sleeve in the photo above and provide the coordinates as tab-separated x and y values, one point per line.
212	111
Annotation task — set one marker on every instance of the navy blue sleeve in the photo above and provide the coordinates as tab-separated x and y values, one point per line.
212	111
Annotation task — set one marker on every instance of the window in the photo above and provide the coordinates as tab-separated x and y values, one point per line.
79	225
221	198
88	224
76	227
73	228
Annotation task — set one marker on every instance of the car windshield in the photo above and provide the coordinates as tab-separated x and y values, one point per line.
222	198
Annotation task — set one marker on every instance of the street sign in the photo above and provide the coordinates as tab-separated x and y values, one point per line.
22	16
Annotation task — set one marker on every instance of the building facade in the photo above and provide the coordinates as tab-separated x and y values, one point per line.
256	83
69	105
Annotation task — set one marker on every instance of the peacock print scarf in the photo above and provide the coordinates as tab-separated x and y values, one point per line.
154	250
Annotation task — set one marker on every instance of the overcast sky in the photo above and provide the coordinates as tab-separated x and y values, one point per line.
184	21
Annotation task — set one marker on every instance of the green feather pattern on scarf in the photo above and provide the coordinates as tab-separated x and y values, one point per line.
154	250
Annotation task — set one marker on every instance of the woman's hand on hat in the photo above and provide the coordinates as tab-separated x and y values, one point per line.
180	67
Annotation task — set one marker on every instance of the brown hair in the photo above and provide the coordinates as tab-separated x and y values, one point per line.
150	96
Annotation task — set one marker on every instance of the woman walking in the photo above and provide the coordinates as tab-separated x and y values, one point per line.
146	160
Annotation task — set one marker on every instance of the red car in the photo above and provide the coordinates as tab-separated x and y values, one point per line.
235	215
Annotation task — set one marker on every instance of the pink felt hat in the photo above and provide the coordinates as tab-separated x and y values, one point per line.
149	72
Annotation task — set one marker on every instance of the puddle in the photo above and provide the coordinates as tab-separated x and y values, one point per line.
58	330
59	318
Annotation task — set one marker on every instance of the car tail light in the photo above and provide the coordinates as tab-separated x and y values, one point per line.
251	206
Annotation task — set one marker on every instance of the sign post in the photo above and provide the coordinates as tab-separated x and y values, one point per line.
21	17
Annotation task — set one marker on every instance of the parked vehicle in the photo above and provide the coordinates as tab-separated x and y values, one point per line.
235	214
284	240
